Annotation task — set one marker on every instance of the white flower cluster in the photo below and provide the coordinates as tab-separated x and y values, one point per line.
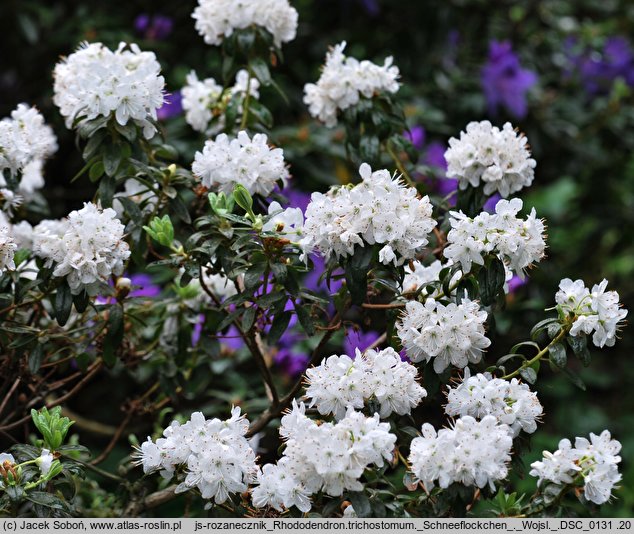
86	248
217	457
450	334
94	81
218	19
340	382
200	97
500	159
225	162
25	142
473	453
519	243
596	311
381	210
7	249
344	80
327	457
510	402
594	462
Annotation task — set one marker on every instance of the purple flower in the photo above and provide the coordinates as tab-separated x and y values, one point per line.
355	339
312	278
292	363
153	28
172	106
504	81
416	136
296	198
515	283
598	70
489	205
143	286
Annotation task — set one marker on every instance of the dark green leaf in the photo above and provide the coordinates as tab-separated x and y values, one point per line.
557	354
35	358
303	314
279	326
111	159
248	318
491	280
360	503
529	375
63	303
261	70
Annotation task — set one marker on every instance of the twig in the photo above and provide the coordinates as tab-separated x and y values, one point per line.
114	439
150	501
60	400
274	411
8	395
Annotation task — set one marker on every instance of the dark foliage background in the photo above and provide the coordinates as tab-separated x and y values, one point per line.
582	140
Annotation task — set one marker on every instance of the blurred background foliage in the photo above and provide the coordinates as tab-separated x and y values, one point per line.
561	71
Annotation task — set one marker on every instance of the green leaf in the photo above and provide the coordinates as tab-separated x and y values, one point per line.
356	269
114	336
96	171
491	280
279	326
542	325
180	209
47	499
529	374
35	358
579	345
260	70
574	378
107	187
111	159
557	354
253	276
304	318
63	303
248	318
360	503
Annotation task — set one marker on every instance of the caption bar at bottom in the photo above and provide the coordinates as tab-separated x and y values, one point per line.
316	525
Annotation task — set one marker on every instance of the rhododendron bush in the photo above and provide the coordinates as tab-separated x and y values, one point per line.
324	354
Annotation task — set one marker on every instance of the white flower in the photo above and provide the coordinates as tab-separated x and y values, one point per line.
44	462
215	453
87	248
225	162
7	249
592	462
96	82
418	275
25	141
500	159
519	243
344	81
379	210
289	221
510	402
340	382
327	457
5	457
472	453
200	98
450	335
595	311
218	19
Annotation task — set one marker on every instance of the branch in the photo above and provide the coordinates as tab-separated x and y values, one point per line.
150	501
276	410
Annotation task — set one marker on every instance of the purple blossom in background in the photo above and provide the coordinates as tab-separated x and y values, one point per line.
142	286
154	27
296	198
599	69
515	283
292	363
355	339
452	47
416	136
489	205
172	106
504	81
